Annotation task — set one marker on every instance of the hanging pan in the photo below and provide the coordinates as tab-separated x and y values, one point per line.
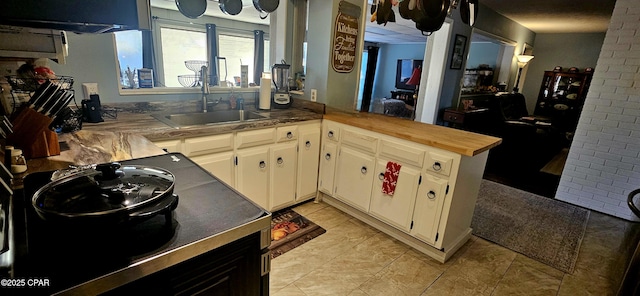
231	7
429	15
469	11
266	6
192	8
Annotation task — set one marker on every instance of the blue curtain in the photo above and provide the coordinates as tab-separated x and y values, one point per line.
258	55
212	54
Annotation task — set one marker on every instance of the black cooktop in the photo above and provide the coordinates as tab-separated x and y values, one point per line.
68	255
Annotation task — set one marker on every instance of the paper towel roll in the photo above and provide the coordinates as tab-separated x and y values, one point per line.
265	94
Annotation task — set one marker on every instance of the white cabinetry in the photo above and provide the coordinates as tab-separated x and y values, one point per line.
396	209
354	176
275	167
308	155
252	174
435	195
282	189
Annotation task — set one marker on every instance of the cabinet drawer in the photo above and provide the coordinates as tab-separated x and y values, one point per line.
331	131
360	141
438	163
403	153
255	138
170	145
287	133
454	117
207	144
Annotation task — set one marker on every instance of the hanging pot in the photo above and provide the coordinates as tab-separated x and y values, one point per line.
267	6
192	8
429	15
107	195
231	7
469	11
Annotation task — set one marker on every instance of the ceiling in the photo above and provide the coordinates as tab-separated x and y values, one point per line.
539	16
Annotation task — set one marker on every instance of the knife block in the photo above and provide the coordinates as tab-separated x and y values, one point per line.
31	133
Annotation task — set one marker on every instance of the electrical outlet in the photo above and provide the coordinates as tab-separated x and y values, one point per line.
314	95
89	89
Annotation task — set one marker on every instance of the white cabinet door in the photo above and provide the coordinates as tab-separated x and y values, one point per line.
429	203
219	164
354	177
170	145
283	159
327	167
396	209
252	174
308	152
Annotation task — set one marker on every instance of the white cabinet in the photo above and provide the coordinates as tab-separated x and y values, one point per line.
428	209
220	165
282	185
170	145
327	167
435	195
354	177
252	174
308	161
275	167
396	209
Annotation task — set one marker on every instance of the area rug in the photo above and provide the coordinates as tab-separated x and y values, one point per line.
290	230
541	228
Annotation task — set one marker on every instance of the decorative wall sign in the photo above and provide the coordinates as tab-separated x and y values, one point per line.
458	52
345	37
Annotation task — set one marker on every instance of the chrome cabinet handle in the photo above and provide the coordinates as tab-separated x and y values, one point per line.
280	160
327	156
436	166
363	170
307	144
381	176
431	195
262	164
289	135
330	134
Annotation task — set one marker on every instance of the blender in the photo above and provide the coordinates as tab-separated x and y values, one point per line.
280	76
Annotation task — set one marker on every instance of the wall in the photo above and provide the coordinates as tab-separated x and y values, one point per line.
389	54
482	53
552	50
336	90
92	59
603	165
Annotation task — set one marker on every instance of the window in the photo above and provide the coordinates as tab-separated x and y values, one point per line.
129	51
178	46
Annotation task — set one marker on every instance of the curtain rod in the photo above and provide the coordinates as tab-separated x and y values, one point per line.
204	25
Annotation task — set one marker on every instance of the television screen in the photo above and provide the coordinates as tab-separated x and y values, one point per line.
403	73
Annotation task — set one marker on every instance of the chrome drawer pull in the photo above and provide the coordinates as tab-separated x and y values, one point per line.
381	176
436	166
431	195
262	164
307	144
289	135
363	170
280	160
327	156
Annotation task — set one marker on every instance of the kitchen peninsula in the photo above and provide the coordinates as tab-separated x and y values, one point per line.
393	140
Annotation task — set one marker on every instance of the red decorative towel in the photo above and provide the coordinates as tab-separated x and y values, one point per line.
391	178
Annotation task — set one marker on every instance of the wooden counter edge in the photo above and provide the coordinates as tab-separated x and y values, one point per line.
454	140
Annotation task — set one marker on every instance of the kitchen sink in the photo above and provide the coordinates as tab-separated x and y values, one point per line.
179	120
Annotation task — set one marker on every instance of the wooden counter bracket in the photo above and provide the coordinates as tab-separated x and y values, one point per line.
31	133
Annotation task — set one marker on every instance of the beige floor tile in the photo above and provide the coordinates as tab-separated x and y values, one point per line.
290	290
309	207
588	286
328	217
485	255
458	286
527	278
555	273
404	276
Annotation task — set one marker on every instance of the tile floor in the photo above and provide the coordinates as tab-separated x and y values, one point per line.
352	258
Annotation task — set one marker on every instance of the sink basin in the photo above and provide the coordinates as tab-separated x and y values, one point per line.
200	118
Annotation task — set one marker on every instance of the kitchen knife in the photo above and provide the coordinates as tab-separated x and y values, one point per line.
59	103
59	96
48	102
64	104
39	93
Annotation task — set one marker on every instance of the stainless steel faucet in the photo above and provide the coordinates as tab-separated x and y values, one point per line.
205	87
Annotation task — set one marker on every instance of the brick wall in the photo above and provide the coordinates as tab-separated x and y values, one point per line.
603	165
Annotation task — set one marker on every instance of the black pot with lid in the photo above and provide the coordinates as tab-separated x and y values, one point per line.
108	195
